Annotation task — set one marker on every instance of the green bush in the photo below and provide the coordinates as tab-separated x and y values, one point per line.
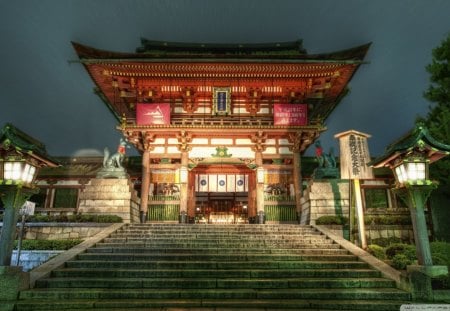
385	242
75	218
331	220
399	248
440	253
388	220
400	261
377	251
59	245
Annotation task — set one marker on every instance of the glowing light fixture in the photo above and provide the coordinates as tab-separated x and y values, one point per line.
18	172
412	170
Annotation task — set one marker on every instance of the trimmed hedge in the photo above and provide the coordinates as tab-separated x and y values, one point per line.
57	245
75	218
387	220
331	220
385	242
72	218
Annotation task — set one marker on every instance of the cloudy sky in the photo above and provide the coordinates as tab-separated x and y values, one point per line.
48	96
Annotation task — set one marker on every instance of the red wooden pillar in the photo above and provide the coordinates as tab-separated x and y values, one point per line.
145	185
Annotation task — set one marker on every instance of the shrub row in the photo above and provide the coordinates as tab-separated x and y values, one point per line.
402	255
388	220
75	218
332	220
369	220
57	245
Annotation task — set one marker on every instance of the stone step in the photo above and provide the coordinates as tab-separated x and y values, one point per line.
209	236
224	229
211	257
211	305
236	268
218	293
229	241
119	280
221	233
222	244
240	226
173	250
137	276
263	247
214	267
210	244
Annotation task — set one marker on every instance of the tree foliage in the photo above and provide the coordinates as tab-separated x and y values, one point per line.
438	117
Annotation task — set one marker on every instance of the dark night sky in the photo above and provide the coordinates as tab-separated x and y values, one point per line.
52	99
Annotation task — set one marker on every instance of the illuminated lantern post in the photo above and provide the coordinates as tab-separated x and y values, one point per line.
20	158
409	158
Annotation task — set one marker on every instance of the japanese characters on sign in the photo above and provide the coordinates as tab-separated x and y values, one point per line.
221	100
152	114
290	114
354	155
358	154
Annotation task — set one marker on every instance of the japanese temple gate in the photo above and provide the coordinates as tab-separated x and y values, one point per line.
221	127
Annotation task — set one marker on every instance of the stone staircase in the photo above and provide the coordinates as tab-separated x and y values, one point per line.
214	267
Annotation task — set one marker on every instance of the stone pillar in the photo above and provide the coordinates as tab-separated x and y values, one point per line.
110	196
143	210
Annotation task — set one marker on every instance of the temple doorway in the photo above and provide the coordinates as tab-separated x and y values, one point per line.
221	208
222	194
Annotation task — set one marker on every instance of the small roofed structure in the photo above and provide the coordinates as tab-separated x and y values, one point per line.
21	156
16	144
414	147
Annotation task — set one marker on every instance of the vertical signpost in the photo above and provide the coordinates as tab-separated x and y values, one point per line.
26	210
354	156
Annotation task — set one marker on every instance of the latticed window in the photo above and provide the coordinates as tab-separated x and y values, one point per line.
376	198
65	198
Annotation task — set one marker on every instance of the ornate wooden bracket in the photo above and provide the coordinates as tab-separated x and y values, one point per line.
193	162
184	138
250	163
259	139
189	103
301	140
296	140
147	140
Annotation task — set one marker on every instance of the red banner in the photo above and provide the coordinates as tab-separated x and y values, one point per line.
150	114
290	114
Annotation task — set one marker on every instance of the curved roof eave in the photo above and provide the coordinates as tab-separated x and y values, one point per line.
355	54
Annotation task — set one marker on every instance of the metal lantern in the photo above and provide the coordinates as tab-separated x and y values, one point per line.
20	157
18	172
409	158
411	170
